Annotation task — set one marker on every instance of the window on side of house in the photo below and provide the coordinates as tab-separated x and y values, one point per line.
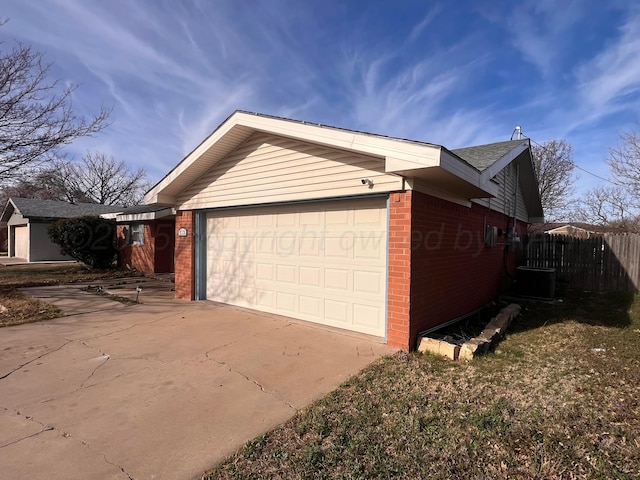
135	234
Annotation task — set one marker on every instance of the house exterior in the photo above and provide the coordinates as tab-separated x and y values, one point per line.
145	238
28	220
373	234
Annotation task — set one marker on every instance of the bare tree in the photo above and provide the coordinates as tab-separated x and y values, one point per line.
42	184
36	115
618	206
99	178
553	164
611	207
624	161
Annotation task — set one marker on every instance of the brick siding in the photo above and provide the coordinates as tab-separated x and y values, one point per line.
185	256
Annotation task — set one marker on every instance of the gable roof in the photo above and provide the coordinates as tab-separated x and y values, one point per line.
467	172
483	156
53	209
397	155
491	158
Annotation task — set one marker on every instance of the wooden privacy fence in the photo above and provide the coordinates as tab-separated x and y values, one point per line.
606	263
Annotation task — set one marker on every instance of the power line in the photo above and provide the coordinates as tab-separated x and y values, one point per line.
576	165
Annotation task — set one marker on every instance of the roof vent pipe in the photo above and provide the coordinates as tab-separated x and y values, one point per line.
517	132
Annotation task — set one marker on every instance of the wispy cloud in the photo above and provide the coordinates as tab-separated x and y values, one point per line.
613	76
539	29
453	73
418	28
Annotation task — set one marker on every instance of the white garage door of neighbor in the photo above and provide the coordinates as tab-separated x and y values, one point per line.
324	262
21	242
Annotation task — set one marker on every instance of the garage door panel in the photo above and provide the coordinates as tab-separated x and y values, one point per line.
337	311
338	217
336	279
311	218
309	276
366	315
369	247
265	298
265	220
311	307
286	274
265	271
336	247
323	262
368	282
286	302
310	246
21	242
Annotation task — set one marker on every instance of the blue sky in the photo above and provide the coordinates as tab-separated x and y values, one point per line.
451	73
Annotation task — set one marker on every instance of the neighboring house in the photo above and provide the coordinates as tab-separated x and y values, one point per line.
570	229
373	234
28	220
145	236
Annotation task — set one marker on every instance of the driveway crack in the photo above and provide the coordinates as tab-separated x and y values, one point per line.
34	359
45	428
48	428
134	326
255	382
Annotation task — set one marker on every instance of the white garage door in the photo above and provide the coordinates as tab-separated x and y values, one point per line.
323	262
21	242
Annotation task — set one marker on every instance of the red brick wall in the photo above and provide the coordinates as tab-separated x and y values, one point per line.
139	257
452	271
185	256
156	255
399	270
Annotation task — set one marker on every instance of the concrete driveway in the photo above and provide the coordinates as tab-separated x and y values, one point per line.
165	389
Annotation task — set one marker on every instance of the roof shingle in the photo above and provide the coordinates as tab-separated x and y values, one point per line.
483	156
34	208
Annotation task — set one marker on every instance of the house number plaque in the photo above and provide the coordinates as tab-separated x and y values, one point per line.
182	232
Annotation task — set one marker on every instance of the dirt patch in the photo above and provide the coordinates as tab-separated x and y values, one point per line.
20	308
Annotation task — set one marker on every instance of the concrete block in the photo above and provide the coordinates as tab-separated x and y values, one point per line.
449	350
439	347
467	351
489	335
430	345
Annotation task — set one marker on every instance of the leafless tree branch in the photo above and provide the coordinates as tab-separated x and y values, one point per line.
36	116
553	164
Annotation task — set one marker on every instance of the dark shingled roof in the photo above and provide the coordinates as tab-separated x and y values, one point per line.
483	156
33	208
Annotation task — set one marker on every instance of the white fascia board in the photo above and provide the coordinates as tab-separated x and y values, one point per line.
145	217
155	198
155	195
503	161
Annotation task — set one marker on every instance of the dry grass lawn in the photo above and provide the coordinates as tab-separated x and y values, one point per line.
19	308
558	399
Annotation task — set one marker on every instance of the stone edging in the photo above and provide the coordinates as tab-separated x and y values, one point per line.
494	330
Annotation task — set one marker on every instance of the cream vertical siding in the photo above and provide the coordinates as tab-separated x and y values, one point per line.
269	168
503	203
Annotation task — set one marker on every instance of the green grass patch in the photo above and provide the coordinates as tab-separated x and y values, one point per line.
558	399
